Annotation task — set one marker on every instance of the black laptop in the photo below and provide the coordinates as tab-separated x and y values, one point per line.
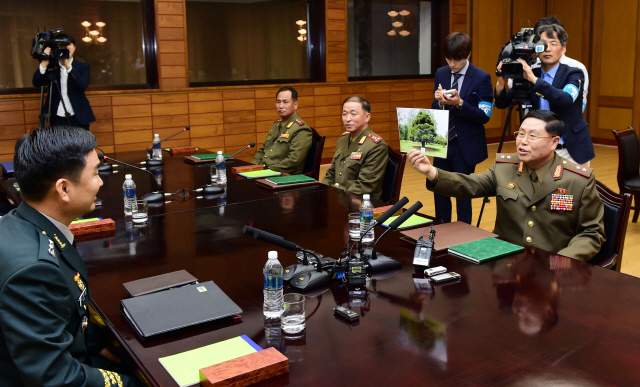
169	310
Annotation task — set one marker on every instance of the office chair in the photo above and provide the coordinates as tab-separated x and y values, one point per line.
393	176
616	216
628	166
314	157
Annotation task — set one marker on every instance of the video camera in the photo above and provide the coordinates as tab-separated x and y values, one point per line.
521	46
53	39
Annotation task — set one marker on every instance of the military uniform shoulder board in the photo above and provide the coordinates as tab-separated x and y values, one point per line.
299	122
507	158
374	137
577	168
276	121
344	134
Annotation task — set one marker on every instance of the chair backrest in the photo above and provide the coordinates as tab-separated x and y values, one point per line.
393	176
616	216
628	155
314	157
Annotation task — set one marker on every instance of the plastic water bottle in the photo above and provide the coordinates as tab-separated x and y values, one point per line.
157	152
130	199
221	169
366	219
273	296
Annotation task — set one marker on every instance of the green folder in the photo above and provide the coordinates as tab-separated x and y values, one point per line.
185	367
292	179
484	250
85	220
208	156
258	174
413	220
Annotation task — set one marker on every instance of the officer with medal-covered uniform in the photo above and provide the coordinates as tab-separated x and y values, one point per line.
47	339
542	199
289	139
358	166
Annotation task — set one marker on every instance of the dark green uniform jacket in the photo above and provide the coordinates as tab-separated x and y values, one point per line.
563	216
359	168
44	295
286	146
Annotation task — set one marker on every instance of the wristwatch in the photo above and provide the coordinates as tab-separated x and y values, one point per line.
460	104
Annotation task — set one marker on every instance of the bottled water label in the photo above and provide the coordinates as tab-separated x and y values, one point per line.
272	282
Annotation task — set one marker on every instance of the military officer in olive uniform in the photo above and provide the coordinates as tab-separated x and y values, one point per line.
361	156
287	144
542	199
44	287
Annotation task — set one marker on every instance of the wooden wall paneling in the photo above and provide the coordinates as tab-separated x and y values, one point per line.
525	13
636	84
171	39
458	16
336	40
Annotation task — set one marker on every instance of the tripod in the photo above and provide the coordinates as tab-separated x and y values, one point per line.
45	117
520	99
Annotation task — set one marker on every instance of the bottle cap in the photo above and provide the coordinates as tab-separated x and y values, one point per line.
127	176
273	254
366	197
219	152
156	135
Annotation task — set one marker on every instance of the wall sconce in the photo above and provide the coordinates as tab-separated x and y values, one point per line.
302	31
93	36
396	24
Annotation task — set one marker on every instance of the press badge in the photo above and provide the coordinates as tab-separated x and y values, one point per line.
572	90
487	107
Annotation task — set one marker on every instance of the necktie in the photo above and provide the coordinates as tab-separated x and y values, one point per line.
452	125
544	104
534	180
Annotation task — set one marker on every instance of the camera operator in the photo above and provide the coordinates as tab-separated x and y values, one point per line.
556	87
73	78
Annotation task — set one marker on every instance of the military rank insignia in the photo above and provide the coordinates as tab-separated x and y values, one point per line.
78	281
375	138
52	250
561	202
299	122
285	135
356	155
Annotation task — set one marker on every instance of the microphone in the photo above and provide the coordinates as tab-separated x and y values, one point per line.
303	277
157	163
383	262
211	189
383	218
104	166
154	196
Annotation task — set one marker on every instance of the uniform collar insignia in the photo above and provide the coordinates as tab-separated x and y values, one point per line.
62	245
78	281
557	173
290	123
362	140
521	167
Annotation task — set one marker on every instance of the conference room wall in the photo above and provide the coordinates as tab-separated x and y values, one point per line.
230	117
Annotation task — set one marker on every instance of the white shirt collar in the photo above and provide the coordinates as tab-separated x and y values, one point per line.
63	229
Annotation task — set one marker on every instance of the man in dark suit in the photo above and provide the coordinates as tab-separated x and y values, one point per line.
558	88
46	338
73	78
469	109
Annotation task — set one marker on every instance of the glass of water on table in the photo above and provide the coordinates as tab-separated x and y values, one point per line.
140	216
354	226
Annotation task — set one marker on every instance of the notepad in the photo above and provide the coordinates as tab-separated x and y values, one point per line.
484	250
259	174
292	179
413	220
185	367
209	156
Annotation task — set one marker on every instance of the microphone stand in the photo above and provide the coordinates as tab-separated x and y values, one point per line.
154	196
210	189
157	163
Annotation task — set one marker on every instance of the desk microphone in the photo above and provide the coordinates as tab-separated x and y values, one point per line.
157	163
154	196
383	218
104	165
210	189
303	277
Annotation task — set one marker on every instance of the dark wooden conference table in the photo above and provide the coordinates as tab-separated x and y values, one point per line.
532	318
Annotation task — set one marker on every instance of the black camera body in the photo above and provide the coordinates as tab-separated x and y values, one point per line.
521	46
52	39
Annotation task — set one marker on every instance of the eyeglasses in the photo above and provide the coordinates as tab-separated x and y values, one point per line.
532	137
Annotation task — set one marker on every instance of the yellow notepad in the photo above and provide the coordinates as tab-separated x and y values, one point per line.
185	367
258	174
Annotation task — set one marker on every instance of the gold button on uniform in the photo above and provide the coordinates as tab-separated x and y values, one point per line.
533	208
337	184
340	173
528	239
344	162
530	223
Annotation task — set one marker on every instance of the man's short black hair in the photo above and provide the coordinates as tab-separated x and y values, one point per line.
457	46
356	98
547	20
294	93
553	31
70	38
48	154
554	124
